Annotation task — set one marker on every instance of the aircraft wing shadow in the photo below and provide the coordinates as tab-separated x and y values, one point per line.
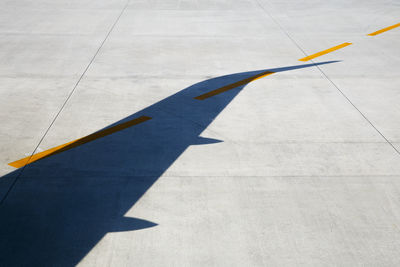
61	206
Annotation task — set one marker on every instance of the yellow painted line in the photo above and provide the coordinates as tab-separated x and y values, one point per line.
58	149
233	85
325	52
384	30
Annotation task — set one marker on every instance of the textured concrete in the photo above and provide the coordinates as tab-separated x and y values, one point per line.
300	168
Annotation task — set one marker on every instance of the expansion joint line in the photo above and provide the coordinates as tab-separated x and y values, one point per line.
326	76
68	97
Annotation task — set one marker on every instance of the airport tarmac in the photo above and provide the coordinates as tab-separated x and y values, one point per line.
199	133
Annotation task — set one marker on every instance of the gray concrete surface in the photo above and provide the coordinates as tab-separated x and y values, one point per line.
307	173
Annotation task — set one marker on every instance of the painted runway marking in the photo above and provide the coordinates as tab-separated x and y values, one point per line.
94	136
58	149
325	52
233	85
384	30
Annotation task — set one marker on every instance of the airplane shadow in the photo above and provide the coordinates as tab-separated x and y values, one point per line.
63	205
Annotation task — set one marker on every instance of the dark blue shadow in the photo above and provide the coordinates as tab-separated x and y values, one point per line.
61	206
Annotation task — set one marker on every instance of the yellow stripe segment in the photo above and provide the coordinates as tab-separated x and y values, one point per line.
384	29
325	52
58	149
233	85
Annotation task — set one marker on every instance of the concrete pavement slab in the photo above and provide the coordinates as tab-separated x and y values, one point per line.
369	63
43	54
285	221
294	169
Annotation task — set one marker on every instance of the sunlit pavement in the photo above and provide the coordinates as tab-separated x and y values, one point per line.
188	133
